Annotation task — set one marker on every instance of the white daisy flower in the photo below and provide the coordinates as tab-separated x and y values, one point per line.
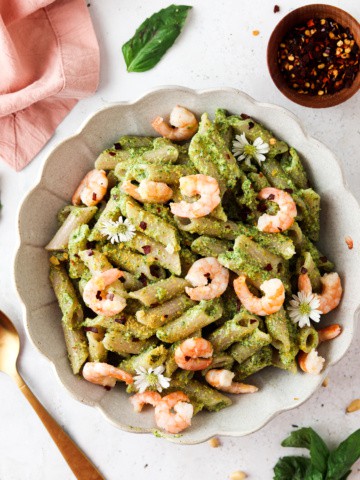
152	378
304	307
117	231
246	151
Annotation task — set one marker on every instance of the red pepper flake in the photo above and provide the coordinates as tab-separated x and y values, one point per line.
98	295
251	125
271	196
349	242
117	146
252	321
166	316
143	225
107	388
319	57
207	275
245	116
187	358
112	154
276	8
147	249
268	267
122	279
110	296
289	190
91	329
227	156
303	270
121	320
90	245
94	196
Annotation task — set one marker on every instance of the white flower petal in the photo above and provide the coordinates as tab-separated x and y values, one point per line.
257	142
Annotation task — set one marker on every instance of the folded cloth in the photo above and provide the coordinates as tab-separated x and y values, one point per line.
49	59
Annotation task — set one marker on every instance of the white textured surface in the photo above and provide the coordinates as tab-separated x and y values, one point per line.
217	48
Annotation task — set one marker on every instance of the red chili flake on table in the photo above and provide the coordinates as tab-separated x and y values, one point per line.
276	8
319	57
143	225
349	242
147	249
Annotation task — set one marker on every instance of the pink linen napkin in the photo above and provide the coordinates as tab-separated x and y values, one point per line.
49	59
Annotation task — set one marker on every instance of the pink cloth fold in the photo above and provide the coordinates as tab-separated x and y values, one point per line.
49	59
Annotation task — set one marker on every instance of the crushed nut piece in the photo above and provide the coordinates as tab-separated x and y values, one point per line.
354	406
238	475
214	442
325	383
349	242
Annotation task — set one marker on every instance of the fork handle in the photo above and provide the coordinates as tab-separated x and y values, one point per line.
81	466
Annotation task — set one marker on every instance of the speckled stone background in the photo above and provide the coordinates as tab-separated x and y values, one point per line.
217	48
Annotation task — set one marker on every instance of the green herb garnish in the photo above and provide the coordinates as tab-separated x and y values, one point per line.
154	37
322	464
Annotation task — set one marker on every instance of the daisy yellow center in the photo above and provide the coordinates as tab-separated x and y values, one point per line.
249	150
304	309
116	229
152	379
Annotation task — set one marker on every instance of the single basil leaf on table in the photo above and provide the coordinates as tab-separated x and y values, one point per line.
294	468
341	460
154	37
308	438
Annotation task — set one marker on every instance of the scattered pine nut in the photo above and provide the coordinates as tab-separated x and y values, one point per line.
238	475
325	383
255	33
349	242
214	442
354	406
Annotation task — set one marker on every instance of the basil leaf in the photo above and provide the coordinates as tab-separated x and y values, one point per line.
293	468
154	37
308	438
341	460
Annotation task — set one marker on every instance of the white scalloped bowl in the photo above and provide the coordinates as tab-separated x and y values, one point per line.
62	172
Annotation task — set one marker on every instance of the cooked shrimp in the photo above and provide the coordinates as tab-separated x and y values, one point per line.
101	297
194	354
105	374
284	218
311	362
140	399
200	273
331	290
329	333
178	421
183	124
222	380
271	302
203	185
92	188
148	191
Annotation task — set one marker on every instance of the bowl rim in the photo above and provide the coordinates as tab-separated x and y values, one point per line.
173	438
313	101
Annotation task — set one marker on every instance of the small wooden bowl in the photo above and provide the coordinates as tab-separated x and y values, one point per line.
283	27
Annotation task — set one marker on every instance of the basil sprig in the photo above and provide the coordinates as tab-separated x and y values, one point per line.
154	37
322	464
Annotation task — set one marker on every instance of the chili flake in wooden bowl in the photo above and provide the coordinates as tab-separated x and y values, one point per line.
313	56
